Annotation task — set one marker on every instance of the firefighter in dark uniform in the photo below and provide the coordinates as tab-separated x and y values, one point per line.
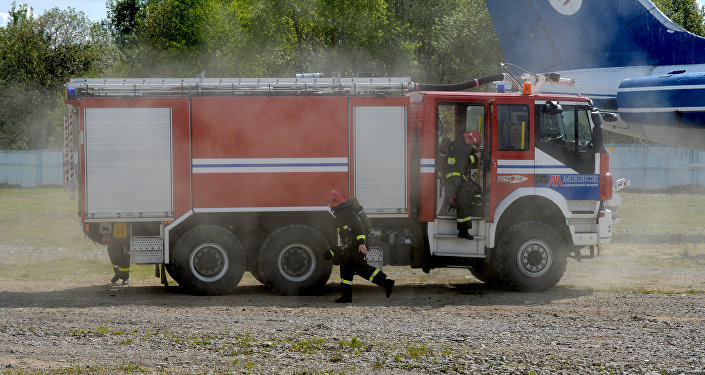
118	252
462	157
353	259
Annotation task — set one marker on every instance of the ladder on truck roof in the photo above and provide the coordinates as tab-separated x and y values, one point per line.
236	86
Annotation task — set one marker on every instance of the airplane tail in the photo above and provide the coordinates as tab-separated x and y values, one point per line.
559	35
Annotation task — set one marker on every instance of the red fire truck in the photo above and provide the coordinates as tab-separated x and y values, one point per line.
210	178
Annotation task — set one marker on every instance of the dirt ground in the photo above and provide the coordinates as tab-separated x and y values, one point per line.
620	313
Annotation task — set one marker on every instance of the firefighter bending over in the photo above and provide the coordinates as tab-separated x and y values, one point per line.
464	193
352	254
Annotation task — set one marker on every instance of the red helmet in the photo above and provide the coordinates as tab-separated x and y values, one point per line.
335	198
472	137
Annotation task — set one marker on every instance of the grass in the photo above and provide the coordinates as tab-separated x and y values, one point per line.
40	217
46	217
644	213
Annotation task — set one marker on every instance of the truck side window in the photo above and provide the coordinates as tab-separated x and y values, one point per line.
453	120
513	123
584	129
570	129
475	117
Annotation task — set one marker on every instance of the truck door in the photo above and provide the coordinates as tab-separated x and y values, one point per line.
512	150
455	118
565	151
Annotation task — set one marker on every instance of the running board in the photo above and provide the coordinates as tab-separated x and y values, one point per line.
146	250
444	241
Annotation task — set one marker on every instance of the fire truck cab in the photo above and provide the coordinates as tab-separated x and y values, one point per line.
543	178
210	178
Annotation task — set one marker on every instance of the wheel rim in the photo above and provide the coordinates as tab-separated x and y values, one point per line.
534	258
209	262
296	262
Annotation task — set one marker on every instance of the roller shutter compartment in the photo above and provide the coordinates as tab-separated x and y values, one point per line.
128	163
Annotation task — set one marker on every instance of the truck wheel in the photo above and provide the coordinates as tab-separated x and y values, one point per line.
208	259
531	257
255	272
291	260
484	272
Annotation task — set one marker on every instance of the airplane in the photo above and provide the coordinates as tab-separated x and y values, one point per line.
625	55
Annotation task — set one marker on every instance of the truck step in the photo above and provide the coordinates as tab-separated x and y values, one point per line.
146	250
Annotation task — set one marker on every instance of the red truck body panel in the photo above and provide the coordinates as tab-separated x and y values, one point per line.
268	127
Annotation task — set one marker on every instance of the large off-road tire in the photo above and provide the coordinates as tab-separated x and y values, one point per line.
254	270
208	259
531	256
484	272
291	260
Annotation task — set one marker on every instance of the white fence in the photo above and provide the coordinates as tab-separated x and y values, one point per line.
31	168
657	166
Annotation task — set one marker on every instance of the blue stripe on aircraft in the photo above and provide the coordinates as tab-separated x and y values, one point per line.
672	93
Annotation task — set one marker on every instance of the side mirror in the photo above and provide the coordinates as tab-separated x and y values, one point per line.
598	139
552	108
609	117
596	118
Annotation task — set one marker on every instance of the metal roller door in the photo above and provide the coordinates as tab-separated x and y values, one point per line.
380	159
128	163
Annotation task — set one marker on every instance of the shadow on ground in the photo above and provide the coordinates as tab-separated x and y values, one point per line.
412	295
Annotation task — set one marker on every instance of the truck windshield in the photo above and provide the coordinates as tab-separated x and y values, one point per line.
570	129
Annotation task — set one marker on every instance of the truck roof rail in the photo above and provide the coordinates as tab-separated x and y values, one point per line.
237	86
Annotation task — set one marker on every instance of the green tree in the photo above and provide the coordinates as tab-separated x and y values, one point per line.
434	41
322	36
689	14
37	55
122	20
453	40
166	37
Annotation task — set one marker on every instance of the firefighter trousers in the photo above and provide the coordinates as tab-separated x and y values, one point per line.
119	254
355	263
468	204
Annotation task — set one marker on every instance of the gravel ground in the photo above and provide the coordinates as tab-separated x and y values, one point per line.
427	326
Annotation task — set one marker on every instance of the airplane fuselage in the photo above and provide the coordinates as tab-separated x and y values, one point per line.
672	112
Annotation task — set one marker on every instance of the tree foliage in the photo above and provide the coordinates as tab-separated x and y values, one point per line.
689	14
37	55
432	40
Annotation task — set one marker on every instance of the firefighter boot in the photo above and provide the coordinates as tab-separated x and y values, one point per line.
380	278
125	276
117	275
463	229
388	286
347	294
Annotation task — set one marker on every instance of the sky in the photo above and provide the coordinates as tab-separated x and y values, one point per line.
94	9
